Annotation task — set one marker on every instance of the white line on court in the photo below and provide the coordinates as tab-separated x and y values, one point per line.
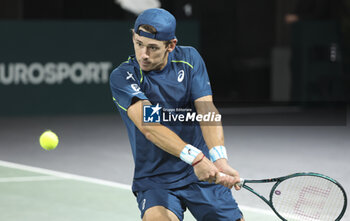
97	181
257	210
64	175
28	179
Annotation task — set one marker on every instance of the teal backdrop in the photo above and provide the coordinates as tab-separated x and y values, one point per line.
62	67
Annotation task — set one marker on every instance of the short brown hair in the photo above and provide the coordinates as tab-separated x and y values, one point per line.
149	28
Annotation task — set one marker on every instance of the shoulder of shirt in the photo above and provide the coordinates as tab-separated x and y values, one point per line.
128	64
185	50
124	67
185	54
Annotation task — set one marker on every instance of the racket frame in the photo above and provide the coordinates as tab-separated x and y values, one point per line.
278	180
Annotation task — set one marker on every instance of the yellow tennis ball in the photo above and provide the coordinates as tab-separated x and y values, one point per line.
48	140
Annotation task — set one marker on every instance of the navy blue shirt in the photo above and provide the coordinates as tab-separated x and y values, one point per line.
183	80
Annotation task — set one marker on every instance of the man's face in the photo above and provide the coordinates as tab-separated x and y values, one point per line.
151	54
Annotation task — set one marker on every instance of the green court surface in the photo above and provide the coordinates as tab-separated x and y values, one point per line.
35	194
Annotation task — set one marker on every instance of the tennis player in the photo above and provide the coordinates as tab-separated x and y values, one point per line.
177	164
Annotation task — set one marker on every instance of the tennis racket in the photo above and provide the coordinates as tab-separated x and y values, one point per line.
304	197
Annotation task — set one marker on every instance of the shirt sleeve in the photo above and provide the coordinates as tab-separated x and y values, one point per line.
200	80
124	88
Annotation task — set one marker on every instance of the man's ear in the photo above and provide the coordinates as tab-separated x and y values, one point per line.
172	45
132	35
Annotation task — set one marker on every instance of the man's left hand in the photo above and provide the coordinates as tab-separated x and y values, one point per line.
225	168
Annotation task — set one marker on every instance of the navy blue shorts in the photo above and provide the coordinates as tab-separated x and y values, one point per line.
206	202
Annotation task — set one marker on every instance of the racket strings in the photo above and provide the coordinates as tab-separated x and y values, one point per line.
308	198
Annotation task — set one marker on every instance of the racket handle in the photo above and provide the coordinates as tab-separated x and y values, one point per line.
241	182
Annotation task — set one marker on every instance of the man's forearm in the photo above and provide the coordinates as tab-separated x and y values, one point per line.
213	135
158	134
213	132
164	138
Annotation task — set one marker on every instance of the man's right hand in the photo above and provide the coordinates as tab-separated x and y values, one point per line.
205	170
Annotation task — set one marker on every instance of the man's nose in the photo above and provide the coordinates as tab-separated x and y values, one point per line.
144	53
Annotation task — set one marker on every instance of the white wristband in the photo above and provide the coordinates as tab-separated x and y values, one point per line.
217	152
189	153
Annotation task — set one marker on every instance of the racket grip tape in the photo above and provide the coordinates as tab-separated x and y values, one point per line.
241	182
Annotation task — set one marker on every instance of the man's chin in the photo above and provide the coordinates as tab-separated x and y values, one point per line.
146	67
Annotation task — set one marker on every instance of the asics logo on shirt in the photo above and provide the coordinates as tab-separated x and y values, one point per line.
130	76
180	76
